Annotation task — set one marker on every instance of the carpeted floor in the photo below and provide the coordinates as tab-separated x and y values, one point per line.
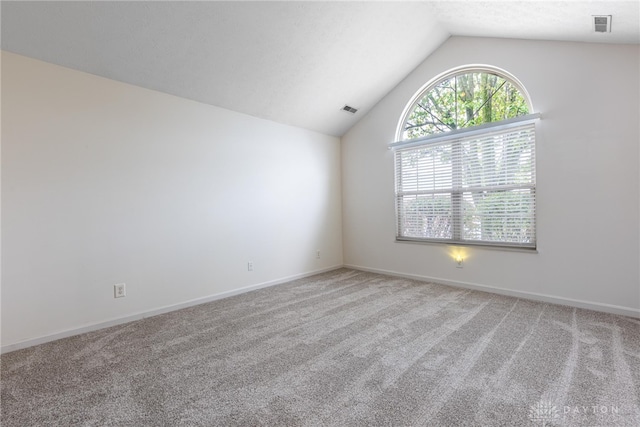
343	348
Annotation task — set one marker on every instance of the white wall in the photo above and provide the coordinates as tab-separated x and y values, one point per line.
588	177
104	182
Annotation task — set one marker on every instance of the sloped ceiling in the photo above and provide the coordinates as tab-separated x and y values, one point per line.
296	63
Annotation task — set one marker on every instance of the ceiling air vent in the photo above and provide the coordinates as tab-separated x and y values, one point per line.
602	23
349	109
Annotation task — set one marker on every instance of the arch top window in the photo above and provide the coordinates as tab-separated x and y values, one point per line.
465	162
464	99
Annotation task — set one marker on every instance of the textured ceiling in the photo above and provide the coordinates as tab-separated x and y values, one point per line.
542	20
292	62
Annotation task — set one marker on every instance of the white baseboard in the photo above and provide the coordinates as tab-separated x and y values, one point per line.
166	309
606	308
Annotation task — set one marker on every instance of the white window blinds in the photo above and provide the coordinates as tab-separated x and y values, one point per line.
469	187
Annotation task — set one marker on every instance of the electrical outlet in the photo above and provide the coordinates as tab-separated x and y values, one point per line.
318	254
119	290
250	266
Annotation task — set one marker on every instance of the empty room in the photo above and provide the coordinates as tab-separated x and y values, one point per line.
330	213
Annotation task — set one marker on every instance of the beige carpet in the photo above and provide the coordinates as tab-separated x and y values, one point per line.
344	348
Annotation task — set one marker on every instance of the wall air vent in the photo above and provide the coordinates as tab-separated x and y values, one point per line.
349	109
602	23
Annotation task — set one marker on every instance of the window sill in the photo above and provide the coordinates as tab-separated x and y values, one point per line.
495	247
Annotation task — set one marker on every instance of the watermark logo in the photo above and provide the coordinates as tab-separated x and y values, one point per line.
592	410
544	413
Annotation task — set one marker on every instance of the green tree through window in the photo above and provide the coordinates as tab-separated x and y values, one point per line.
476	189
462	101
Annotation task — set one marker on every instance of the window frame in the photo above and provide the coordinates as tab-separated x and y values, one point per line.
454	137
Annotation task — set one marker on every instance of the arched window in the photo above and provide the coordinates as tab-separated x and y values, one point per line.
465	162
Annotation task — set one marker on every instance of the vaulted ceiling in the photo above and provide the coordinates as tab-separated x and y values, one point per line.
296	63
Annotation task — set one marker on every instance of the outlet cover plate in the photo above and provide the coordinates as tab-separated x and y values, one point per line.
119	290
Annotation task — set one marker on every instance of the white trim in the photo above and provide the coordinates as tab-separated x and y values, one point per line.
150	313
606	308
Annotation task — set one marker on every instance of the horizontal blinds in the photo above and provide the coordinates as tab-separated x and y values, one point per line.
476	187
